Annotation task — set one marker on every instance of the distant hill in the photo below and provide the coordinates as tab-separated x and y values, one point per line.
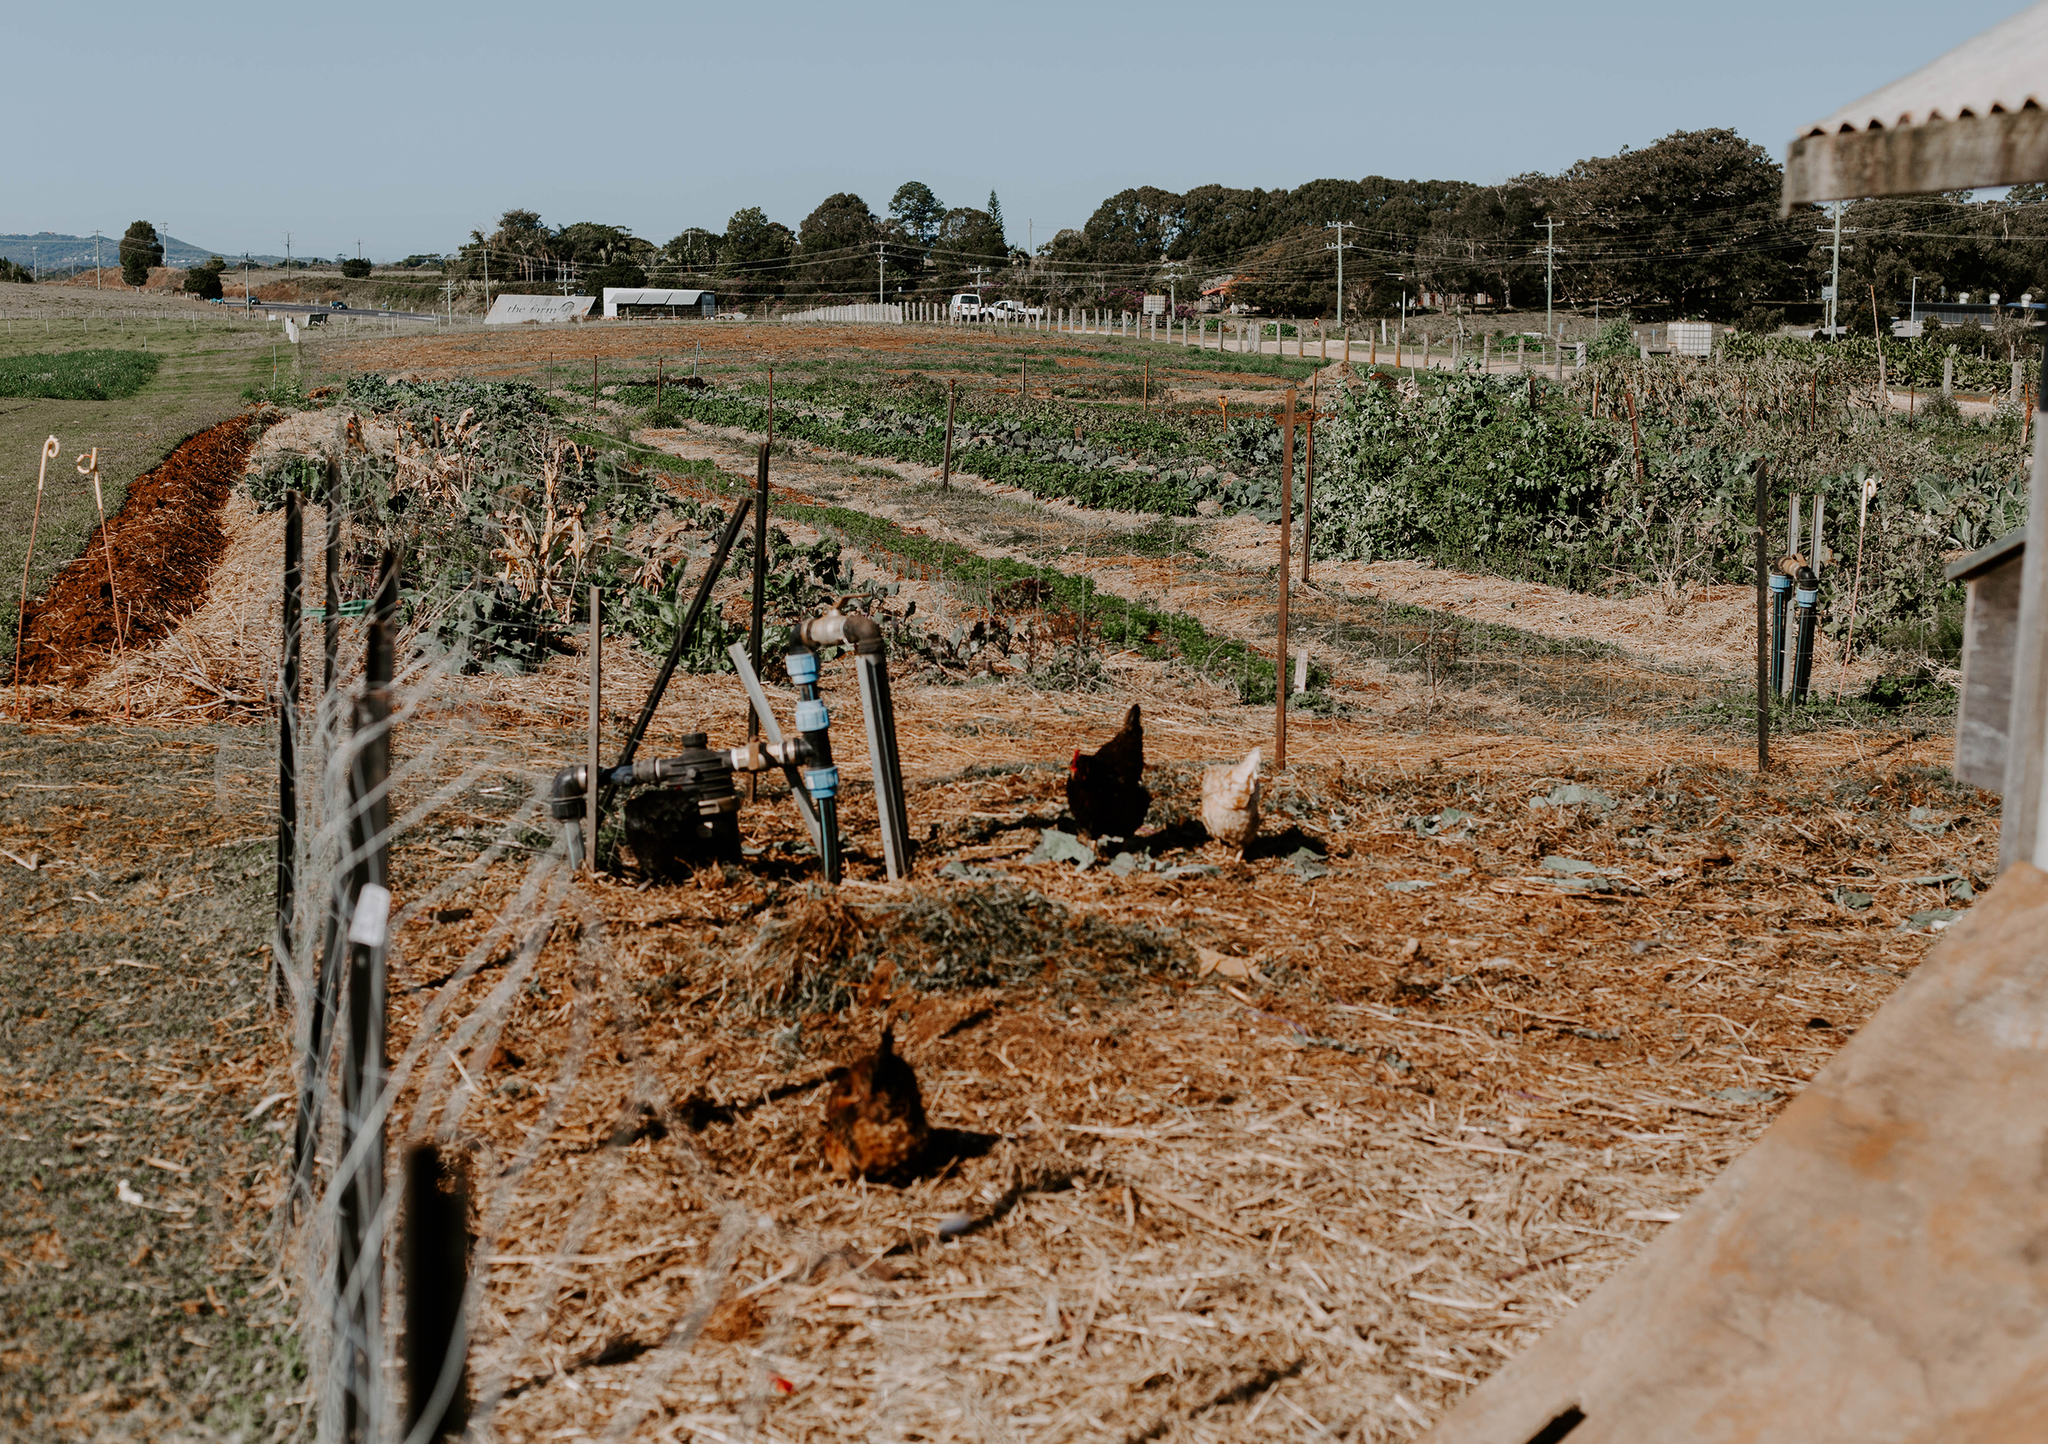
53	252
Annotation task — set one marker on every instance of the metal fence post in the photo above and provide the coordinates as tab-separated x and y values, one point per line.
358	1267
287	749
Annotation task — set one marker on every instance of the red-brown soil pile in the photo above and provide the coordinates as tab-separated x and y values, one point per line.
167	538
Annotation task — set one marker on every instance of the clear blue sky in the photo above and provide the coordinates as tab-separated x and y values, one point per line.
404	126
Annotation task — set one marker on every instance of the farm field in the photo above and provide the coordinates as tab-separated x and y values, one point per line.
205	367
1294	1144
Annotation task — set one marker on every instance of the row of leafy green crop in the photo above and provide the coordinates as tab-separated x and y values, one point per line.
501	563
1146	631
1908	361
900	435
1658	494
1165	463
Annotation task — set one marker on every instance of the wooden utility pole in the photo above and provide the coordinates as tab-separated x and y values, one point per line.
1286	568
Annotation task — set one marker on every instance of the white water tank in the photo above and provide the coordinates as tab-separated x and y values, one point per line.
1690	338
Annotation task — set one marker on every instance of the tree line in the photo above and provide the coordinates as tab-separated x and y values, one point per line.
1685	227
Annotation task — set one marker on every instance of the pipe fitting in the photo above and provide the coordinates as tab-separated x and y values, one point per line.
811	715
823	782
865	633
803	666
565	798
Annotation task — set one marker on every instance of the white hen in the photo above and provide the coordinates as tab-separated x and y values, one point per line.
1230	802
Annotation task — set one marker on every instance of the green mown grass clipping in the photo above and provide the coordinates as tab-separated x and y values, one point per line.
78	375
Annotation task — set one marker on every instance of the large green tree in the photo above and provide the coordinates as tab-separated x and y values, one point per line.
690	257
917	211
520	250
754	258
967	238
141	248
1685	227
836	250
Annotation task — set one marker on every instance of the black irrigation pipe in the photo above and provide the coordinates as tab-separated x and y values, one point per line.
688	627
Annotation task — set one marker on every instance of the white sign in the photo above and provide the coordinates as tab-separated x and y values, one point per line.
1155	305
515	310
372	917
1827	293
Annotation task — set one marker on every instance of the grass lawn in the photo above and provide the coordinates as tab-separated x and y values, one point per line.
198	382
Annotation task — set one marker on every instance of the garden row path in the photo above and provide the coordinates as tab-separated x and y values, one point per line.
1355	619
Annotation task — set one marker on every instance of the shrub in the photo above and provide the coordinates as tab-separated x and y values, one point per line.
203	282
1476	469
1760	321
1612	339
355	268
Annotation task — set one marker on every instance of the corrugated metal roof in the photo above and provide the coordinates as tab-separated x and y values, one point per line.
2005	69
1978	116
645	296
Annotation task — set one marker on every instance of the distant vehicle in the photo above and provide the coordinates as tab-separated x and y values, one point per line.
337	305
1013	311
967	307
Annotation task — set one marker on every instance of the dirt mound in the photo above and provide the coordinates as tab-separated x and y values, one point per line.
823	951
167	536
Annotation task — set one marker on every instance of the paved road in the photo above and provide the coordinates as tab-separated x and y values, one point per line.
304	308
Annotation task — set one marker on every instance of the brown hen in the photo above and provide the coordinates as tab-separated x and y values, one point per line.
1106	789
874	1115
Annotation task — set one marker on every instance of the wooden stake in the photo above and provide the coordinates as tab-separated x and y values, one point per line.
1763	622
946	472
1635	432
1308	480
1864	493
590	787
89	465
1286	568
50	449
757	614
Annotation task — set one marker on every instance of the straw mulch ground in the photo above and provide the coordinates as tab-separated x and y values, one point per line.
1297	1146
1374	1116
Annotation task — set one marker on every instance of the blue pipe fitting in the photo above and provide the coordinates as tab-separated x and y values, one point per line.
1780	582
811	715
1806	596
803	669
823	782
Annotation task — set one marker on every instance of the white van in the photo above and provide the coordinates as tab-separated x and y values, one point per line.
966	307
